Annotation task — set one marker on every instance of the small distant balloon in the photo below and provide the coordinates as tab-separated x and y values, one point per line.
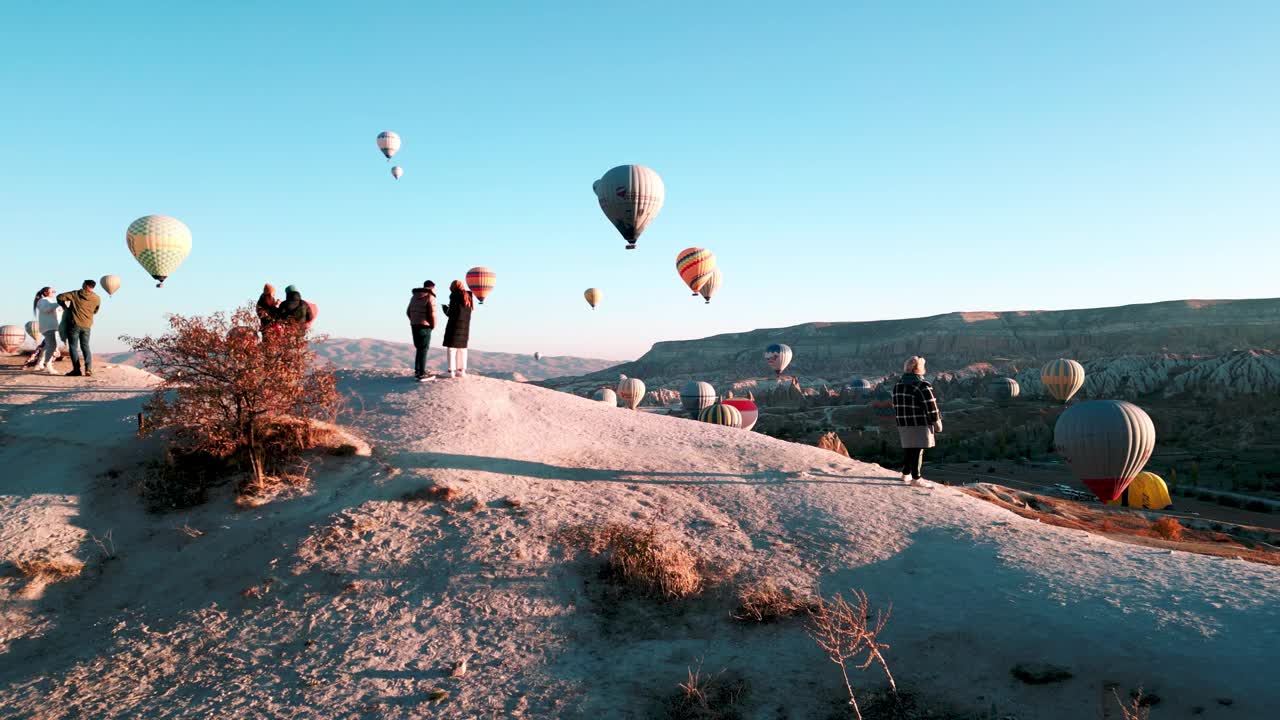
1003	389
480	281
33	329
695	266
593	296
695	396
396	172
721	414
159	243
778	356
388	143
1062	378
607	396
630	197
537	356
631	392
11	338
110	283
712	284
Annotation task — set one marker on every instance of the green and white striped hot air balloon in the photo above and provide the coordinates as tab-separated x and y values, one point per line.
159	243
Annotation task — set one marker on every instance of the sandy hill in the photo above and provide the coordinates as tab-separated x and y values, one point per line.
350	602
370	354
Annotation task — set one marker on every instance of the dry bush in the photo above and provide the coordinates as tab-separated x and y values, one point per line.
433	493
708	697
845	631
641	558
764	601
1167	528
1138	707
46	569
225	394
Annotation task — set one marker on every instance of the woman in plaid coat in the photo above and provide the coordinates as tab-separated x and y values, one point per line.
918	418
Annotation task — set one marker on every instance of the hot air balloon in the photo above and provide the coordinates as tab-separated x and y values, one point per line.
695	396
630	196
631	392
778	357
712	284
606	396
537	356
1146	491
396	172
110	283
695	266
721	414
1106	443
750	413
1062	378
33	329
388	143
159	243
860	387
1003	389
593	296
11	338
480	282
882	404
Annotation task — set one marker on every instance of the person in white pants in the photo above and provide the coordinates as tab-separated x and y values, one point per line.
48	315
458	330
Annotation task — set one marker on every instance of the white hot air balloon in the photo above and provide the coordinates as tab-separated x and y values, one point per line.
630	196
396	172
388	143
110	283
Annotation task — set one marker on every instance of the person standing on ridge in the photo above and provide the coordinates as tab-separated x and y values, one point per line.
918	418
81	305
458	330
294	309
422	320
267	304
48	315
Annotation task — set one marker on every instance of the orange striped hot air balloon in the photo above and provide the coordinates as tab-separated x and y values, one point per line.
695	266
480	281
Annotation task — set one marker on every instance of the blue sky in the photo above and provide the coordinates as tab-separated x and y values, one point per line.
844	160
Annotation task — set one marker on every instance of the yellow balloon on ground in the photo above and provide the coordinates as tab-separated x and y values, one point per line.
159	243
110	283
1146	491
593	296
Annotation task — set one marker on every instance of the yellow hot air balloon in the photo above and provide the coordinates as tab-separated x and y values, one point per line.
695	266
1062	378
593	296
1146	490
159	243
110	283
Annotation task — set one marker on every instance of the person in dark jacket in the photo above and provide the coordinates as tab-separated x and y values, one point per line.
918	418
80	306
458	330
294	309
267	304
422	319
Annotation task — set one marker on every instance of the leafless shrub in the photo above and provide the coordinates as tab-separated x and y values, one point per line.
845	631
764	601
641	558
1138	707
45	569
106	545
189	531
707	696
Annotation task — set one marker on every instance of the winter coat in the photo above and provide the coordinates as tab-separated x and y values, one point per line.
267	305
422	308
84	305
917	412
458	330
48	314
293	309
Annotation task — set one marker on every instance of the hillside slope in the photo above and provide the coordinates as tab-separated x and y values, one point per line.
350	602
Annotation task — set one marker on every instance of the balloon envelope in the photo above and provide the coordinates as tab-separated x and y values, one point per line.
159	243
12	337
721	414
860	387
33	329
1146	491
593	296
630	197
607	396
1003	389
1062	378
396	172
388	143
480	281
747	408
1106	443
712	284
631	392
537	356
695	266
110	283
695	396
778	357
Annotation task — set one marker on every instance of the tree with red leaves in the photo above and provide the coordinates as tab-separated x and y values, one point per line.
225	392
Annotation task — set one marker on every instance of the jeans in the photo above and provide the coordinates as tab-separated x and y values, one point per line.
421	343
78	343
912	461
50	347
